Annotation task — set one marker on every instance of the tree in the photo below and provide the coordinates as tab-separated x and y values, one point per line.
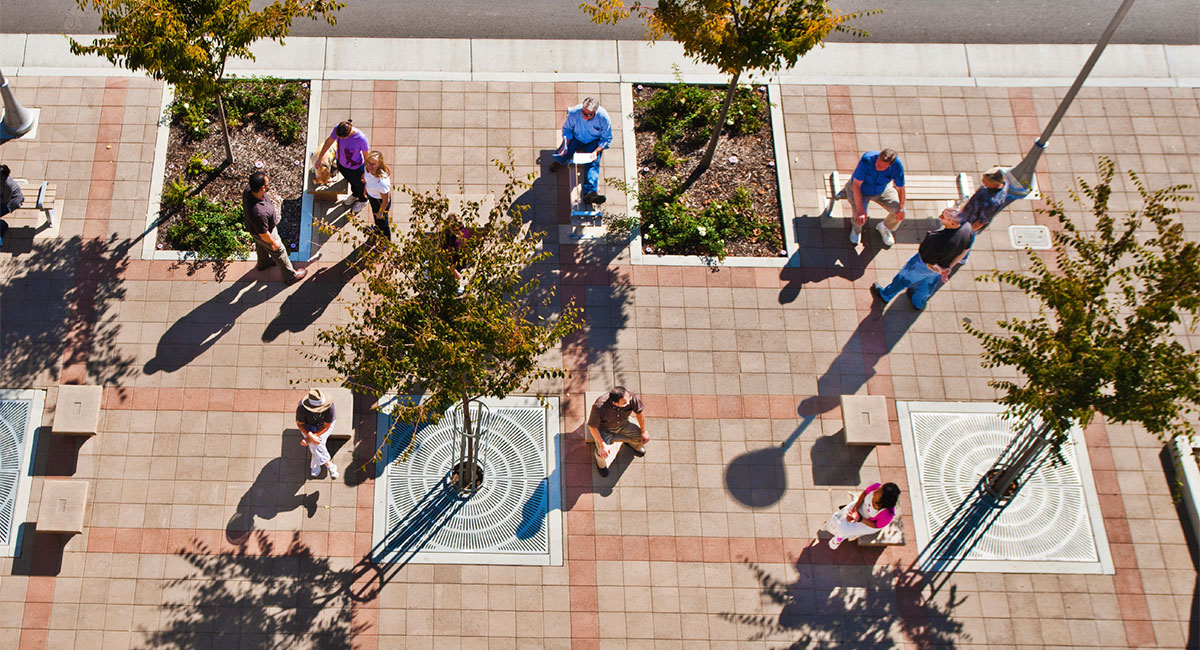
421	326
1104	339
736	36
187	42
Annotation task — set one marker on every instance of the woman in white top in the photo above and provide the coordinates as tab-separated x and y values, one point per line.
379	185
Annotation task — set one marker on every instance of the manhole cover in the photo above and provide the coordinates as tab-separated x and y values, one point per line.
17	426
513	519
1035	237
1051	526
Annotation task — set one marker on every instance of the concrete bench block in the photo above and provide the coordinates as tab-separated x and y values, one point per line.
865	420
890	535
63	507
77	411
343	406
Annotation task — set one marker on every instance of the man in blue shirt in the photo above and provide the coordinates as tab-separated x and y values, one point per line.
879	177
987	201
586	129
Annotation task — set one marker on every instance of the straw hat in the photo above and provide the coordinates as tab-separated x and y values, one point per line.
316	401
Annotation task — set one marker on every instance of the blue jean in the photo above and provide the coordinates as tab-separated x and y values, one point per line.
917	278
591	171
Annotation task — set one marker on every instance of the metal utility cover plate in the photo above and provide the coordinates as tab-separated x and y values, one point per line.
1035	237
20	417
515	518
1054	524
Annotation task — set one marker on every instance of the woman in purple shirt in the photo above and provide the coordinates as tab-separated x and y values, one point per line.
352	148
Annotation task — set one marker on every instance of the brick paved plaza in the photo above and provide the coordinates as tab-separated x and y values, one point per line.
198	396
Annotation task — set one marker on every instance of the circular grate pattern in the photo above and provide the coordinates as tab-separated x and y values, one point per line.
1047	521
14	422
506	515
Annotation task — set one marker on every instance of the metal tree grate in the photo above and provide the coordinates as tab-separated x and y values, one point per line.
17	427
951	446
508	520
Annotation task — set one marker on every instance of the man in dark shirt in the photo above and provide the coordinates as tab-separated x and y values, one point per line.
609	423
924	272
261	218
11	198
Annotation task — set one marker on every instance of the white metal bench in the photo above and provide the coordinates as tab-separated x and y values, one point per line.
46	195
947	190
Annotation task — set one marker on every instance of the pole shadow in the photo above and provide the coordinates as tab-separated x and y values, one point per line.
305	305
276	489
758	479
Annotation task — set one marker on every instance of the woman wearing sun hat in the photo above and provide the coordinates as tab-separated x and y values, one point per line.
314	418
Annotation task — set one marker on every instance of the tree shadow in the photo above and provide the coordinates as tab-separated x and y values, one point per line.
305	305
199	329
836	463
262	598
275	490
851	606
877	333
61	298
758	479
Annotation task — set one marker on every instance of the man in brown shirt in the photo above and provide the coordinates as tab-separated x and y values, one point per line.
609	422
261	218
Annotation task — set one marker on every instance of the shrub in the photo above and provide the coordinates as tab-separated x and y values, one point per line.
198	165
174	194
211	229
684	113
668	225
279	105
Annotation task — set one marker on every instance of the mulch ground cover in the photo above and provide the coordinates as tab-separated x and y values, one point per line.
743	160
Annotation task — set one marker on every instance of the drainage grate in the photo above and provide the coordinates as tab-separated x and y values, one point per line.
1051	526
1035	237
512	519
17	427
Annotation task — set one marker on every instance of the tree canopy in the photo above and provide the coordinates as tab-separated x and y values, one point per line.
1111	306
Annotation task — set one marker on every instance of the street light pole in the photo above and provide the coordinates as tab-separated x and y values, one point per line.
17	120
1023	172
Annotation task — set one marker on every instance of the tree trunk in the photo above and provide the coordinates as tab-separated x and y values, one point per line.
466	474
224	129
730	92
1004	484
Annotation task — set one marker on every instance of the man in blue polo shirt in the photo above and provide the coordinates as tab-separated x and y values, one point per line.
879	177
586	129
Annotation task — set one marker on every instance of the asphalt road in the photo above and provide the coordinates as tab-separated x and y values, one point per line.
904	21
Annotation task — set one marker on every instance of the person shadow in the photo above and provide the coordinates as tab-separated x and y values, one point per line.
276	489
305	305
831	259
190	336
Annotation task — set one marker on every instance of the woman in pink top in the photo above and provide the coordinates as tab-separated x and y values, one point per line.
352	148
874	509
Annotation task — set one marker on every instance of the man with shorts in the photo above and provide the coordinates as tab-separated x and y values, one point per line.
879	177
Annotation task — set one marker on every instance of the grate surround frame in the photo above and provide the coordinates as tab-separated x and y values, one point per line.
20	421
1054	525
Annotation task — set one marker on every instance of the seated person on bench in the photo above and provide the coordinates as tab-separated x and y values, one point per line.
586	129
11	198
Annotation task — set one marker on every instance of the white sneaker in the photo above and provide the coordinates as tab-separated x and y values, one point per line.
349	200
854	237
358	207
316	471
835	542
333	473
888	239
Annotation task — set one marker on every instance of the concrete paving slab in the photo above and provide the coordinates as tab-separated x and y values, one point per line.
12	51
390	58
642	62
50	54
907	64
1183	62
493	60
1058	65
297	58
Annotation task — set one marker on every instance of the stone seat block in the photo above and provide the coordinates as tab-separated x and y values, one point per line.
63	507
865	420
343	405
77	411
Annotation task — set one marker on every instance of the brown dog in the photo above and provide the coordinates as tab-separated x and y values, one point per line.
324	170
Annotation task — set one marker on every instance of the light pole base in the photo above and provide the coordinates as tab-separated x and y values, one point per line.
28	131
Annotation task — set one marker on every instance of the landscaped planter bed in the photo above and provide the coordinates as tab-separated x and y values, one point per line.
734	204
276	149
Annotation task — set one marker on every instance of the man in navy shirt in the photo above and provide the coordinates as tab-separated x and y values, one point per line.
586	129
879	177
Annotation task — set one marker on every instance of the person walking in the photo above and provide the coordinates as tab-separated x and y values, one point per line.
609	423
587	129
11	198
261	218
352	148
874	509
314	418
939	253
378	186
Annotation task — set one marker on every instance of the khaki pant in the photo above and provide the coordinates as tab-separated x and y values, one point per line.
889	199
628	433
267	257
